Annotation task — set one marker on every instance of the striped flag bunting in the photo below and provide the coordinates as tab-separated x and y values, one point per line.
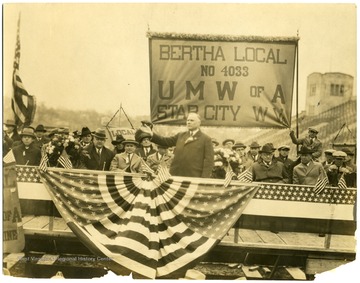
22	103
9	158
228	176
245	177
64	160
342	182
321	183
158	231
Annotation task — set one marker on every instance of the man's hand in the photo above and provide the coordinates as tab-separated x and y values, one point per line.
344	170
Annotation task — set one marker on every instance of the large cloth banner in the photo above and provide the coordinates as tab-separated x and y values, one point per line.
152	228
233	82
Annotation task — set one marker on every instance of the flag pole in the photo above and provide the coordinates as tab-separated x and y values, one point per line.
297	90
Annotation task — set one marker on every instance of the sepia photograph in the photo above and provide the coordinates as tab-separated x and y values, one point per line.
179	141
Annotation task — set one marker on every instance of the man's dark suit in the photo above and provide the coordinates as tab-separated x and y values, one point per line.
193	156
30	155
91	160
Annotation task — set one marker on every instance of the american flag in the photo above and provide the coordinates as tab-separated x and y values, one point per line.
321	183
342	182
44	161
228	176
9	158
154	230
64	160
23	104
245	177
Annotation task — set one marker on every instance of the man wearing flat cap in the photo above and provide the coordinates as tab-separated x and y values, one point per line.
328	158
96	156
308	171
267	169
127	161
27	153
338	169
310	141
284	158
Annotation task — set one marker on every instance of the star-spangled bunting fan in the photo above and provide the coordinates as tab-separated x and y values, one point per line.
157	230
22	103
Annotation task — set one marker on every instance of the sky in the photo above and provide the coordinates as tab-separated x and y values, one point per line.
96	56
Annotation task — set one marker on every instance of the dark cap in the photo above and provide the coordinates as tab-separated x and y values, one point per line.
266	149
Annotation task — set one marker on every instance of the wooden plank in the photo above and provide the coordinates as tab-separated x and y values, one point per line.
12	259
318	265
60	224
250	273
37	223
296	273
342	242
27	218
302	239
249	236
47	259
269	237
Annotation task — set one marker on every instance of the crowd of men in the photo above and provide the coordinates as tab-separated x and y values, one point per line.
190	153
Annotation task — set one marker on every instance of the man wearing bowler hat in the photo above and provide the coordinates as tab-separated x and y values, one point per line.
146	148
252	155
11	130
85	137
27	153
118	145
308	171
127	161
41	138
267	169
96	156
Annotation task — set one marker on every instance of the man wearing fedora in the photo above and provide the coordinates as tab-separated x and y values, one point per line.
267	169
10	135
194	153
95	156
308	171
85	137
41	138
127	161
252	155
27	153
310	141
146	148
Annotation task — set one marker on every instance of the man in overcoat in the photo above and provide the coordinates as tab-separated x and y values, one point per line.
96	156
194	153
27	153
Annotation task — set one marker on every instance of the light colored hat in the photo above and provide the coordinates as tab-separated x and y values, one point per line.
285	147
29	132
192	274
10	123
339	154
313	130
228	140
132	141
99	133
239	145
